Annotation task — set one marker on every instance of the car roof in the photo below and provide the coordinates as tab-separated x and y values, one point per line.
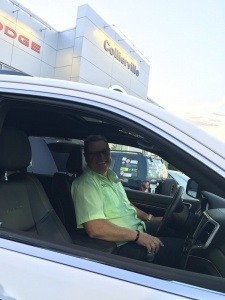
161	118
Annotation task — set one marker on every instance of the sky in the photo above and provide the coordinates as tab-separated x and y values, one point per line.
184	41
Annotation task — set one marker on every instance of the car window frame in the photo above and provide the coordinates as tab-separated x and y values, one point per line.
144	126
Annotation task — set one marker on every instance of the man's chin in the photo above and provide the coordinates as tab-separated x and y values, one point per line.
102	171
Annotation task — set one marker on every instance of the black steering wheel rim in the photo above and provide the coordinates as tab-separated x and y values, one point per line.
168	214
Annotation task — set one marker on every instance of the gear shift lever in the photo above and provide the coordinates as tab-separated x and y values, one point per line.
150	256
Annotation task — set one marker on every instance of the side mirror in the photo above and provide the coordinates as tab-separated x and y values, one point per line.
192	189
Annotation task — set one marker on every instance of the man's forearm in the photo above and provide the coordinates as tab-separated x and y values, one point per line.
105	230
144	216
141	214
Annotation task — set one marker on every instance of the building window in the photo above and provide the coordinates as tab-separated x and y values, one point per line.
7	68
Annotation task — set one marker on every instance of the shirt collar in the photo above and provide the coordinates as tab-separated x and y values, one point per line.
111	174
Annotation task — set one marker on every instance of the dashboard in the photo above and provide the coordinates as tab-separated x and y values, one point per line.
204	250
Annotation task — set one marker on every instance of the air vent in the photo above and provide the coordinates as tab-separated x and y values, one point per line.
207	232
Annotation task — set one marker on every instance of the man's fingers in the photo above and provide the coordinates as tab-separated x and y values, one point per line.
161	243
152	243
155	245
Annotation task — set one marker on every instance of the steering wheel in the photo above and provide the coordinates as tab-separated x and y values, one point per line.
168	214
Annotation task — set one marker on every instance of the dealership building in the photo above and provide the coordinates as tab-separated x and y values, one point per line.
94	52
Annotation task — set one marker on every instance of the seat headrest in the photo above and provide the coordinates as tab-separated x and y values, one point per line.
15	150
74	163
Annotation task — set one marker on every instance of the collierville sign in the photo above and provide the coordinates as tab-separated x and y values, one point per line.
21	38
117	54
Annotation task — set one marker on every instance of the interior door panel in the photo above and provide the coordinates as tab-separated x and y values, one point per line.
151	203
157	204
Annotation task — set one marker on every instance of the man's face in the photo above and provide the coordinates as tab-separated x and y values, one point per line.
98	157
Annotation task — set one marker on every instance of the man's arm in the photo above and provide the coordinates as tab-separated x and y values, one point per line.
105	230
144	216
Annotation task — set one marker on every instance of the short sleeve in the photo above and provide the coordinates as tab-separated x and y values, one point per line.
87	201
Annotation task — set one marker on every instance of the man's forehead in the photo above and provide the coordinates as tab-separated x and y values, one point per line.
96	144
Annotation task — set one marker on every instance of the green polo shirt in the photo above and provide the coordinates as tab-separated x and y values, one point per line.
98	197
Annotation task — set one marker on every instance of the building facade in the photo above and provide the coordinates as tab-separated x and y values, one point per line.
93	52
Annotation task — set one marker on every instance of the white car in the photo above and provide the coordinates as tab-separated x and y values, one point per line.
42	254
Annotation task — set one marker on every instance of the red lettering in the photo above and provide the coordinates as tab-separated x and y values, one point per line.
35	47
23	40
10	32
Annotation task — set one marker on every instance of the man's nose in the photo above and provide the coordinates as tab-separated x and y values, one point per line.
101	155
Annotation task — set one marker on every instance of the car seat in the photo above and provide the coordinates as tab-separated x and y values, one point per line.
24	204
61	198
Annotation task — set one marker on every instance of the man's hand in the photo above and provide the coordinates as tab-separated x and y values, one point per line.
152	243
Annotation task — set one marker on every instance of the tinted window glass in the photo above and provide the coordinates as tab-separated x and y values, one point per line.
60	160
42	161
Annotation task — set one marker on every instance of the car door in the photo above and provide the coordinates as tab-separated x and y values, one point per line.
46	108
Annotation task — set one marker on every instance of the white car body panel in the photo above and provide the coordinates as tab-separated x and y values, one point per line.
50	275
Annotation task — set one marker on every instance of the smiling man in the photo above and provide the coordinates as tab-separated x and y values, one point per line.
104	211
